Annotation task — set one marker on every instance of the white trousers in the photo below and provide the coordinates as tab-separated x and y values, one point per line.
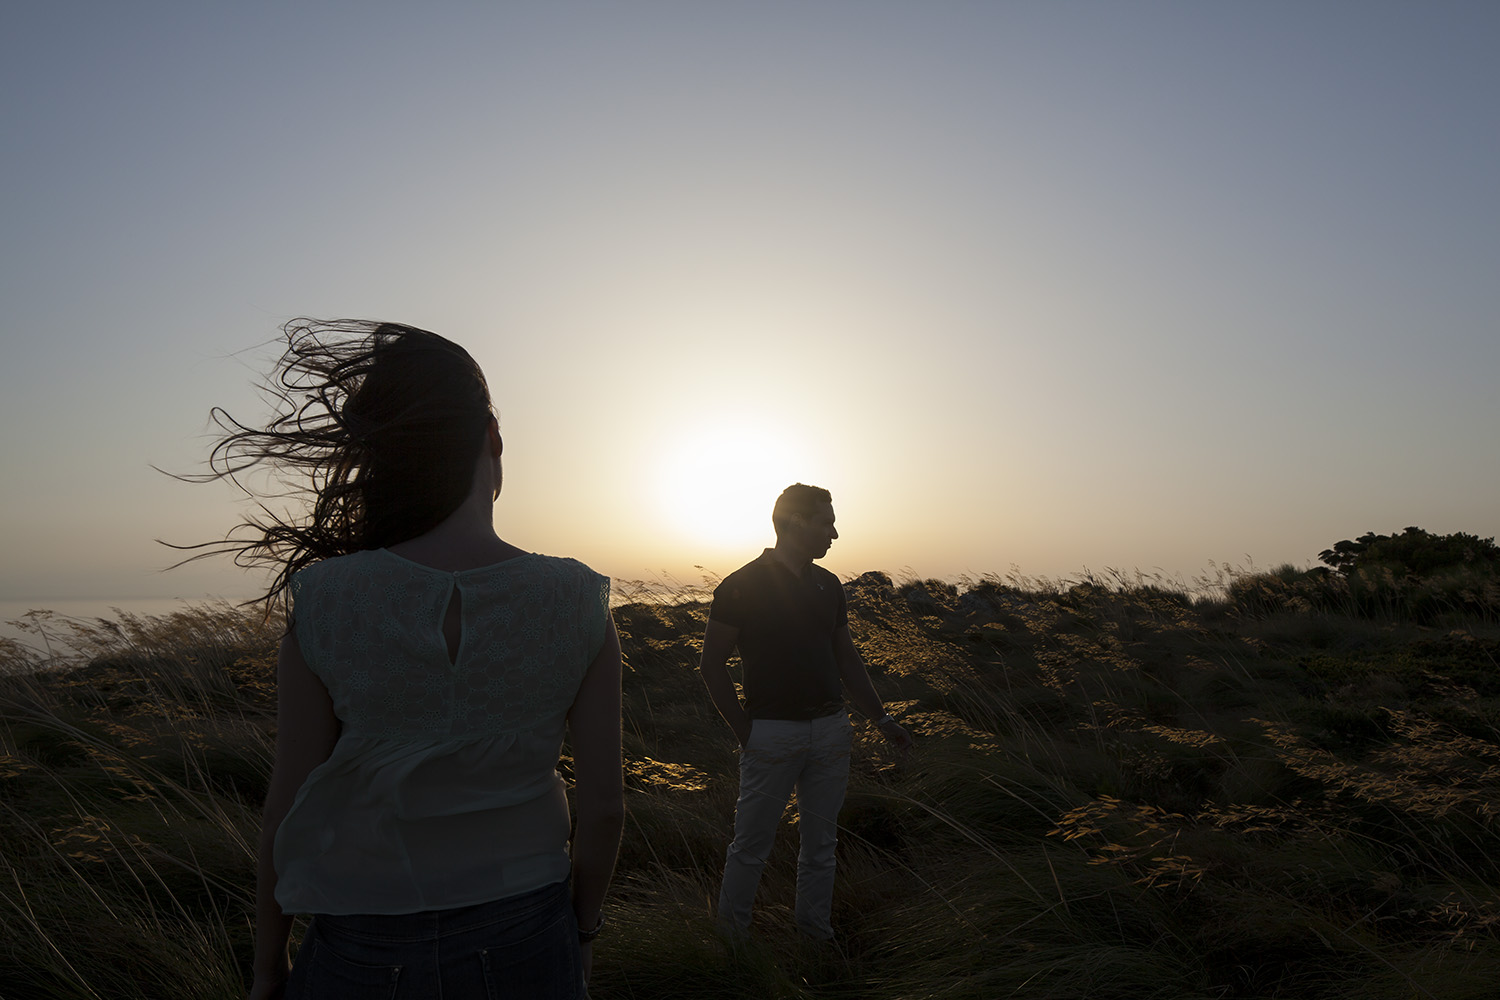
812	759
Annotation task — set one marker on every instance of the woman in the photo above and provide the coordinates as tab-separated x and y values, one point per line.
423	689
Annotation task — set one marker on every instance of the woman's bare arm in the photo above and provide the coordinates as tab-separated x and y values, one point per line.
306	731
599	789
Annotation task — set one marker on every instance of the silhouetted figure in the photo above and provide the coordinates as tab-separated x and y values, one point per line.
790	622
424	686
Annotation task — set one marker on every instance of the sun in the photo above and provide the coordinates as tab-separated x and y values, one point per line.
716	483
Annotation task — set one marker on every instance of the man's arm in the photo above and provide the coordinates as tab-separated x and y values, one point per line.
718	643
862	693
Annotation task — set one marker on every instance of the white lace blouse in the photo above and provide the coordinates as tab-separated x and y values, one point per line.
442	790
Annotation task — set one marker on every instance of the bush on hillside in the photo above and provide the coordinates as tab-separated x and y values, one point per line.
1419	575
1413	553
1414	575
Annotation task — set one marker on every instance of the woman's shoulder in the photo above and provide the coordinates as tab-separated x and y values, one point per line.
352	562
566	567
589	587
564	563
335	573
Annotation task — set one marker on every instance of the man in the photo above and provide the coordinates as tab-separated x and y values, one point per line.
790	622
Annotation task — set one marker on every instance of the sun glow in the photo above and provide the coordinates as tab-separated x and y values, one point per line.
716	484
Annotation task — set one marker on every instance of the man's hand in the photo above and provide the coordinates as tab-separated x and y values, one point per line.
862	693
896	736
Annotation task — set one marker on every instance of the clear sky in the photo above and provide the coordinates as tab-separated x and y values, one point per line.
1046	285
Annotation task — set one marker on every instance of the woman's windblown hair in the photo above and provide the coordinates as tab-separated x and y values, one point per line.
376	431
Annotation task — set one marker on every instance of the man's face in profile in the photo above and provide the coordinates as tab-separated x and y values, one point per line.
815	531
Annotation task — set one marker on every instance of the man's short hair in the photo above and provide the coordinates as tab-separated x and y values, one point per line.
798	498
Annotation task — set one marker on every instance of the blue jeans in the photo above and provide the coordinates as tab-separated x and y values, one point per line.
524	947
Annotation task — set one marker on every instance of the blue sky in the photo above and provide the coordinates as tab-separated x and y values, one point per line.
1044	285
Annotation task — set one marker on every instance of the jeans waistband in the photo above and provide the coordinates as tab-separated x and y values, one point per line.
429	925
811	715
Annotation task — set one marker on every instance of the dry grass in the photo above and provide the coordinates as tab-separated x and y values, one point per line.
1124	788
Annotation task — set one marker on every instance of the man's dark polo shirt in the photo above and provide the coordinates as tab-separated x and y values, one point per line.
786	625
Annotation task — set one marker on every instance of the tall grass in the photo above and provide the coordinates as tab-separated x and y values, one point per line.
1124	787
130	806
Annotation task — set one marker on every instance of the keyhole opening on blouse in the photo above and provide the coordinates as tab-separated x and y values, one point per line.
453	624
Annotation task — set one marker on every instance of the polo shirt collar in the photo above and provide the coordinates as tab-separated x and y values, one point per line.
770	556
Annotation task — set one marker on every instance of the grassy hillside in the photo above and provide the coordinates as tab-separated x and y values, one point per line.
1119	791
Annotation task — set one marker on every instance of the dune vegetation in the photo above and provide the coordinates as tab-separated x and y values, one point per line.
1278	786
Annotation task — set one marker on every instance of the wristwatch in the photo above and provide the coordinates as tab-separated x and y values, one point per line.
585	936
